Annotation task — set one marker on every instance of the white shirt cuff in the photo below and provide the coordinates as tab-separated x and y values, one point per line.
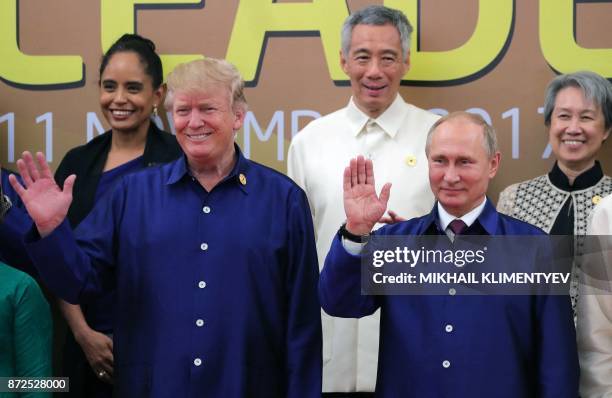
351	247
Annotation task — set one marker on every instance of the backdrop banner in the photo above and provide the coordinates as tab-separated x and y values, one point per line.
492	57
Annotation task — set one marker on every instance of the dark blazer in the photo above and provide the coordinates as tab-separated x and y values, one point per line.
87	162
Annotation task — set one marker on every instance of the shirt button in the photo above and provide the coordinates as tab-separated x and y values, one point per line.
204	246
206	209
200	323
197	362
452	291
446	364
448	328
201	284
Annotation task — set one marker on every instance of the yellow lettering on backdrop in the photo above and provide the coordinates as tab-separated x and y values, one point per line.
32	70
118	17
490	35
256	18
559	45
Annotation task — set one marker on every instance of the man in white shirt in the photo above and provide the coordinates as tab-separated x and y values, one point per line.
378	124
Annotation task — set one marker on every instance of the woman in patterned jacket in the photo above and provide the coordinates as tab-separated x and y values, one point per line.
578	114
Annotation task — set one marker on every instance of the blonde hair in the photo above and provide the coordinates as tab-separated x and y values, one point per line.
200	74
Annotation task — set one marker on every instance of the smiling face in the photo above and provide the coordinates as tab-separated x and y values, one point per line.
577	130
127	96
459	167
375	66
205	125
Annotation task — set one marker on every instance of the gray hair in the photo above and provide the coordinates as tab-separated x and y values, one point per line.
201	74
377	15
489	138
594	87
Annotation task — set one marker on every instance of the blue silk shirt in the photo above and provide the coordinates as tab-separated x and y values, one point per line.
8	189
216	291
460	346
16	223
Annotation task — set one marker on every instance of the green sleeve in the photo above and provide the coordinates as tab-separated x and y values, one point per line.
32	333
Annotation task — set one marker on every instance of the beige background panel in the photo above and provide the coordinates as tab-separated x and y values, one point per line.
294	75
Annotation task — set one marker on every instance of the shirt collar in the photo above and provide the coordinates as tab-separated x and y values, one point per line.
485	215
390	121
583	181
445	218
239	174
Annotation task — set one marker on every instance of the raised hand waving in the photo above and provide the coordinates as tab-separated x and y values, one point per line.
46	203
363	207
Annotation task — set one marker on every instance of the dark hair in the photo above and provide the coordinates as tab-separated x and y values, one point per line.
144	49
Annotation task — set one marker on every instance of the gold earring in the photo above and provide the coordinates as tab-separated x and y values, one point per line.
155	111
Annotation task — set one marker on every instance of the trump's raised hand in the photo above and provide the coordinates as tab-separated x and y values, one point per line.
363	207
46	203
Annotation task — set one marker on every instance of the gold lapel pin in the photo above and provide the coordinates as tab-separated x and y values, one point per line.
242	179
596	199
410	160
